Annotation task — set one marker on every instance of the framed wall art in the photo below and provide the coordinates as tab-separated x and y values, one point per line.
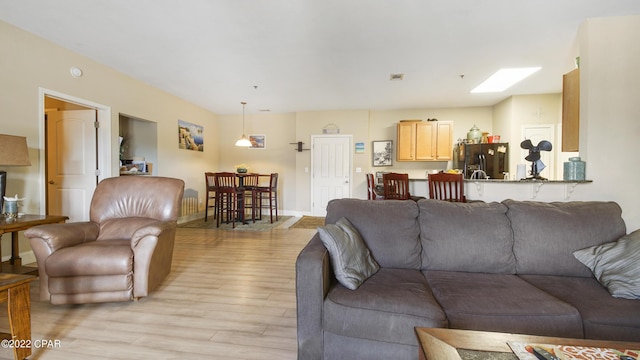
381	152
190	136
258	141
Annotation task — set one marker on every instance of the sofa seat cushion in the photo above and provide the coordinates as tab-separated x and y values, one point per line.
386	307
503	303
106	257
604	316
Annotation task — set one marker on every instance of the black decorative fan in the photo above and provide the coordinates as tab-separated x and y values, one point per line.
534	156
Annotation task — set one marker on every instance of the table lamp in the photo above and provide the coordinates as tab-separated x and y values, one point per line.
13	152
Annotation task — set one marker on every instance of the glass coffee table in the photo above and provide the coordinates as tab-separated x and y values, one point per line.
454	344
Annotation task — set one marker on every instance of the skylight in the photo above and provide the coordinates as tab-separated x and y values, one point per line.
503	79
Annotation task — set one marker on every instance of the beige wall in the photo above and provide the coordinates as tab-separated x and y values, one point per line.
277	157
363	125
29	63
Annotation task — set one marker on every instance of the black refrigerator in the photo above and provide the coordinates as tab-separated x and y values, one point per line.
493	159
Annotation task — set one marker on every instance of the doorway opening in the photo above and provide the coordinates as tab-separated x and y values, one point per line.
138	143
79	124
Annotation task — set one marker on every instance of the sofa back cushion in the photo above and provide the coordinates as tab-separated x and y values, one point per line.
389	228
547	234
471	237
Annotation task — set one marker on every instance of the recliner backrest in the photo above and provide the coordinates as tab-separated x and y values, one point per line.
137	196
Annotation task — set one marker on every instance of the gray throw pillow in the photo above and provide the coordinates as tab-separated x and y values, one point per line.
351	260
615	265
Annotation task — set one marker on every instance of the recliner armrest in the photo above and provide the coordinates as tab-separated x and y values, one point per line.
58	236
155	228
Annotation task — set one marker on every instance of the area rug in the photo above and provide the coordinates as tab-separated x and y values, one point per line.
308	222
259	225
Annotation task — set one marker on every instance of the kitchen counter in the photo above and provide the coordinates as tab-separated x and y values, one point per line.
502	181
499	189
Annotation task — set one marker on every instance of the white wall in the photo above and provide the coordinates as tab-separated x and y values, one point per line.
610	112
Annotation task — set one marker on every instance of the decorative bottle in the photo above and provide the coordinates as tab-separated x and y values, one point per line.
574	169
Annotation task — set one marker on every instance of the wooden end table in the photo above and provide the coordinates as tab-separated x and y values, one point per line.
14	290
443	344
13	226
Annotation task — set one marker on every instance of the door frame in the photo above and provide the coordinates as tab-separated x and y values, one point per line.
313	143
103	113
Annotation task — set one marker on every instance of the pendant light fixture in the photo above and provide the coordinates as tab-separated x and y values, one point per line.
243	141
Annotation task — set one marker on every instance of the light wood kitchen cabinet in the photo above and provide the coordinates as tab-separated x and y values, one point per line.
571	111
424	140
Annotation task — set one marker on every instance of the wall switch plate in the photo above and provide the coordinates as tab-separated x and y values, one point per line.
358	170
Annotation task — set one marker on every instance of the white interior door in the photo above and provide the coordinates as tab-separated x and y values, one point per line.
71	162
537	133
331	171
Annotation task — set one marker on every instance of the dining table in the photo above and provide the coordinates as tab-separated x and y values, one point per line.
241	189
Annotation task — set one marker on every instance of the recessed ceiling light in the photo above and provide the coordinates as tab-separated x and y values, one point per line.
264	110
395	77
503	79
76	72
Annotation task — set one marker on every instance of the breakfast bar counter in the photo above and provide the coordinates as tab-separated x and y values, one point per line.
497	189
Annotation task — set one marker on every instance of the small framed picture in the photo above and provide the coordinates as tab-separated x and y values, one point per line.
258	141
381	153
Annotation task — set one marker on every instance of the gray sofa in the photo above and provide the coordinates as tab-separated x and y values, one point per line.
504	267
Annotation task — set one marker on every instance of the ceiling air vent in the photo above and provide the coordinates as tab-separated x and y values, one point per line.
396	77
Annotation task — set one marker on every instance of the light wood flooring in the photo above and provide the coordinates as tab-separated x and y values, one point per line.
231	295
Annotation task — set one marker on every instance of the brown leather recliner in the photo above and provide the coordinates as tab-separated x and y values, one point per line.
122	253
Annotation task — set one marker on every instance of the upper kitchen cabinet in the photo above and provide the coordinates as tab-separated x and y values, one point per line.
571	110
424	140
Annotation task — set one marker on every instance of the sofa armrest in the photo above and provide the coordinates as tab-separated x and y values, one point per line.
313	278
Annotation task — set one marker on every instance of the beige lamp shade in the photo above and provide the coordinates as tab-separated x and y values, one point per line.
14	151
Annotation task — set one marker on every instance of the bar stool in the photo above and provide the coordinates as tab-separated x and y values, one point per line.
210	185
271	193
227	197
250	184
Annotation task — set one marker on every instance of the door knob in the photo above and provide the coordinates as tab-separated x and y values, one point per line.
51	182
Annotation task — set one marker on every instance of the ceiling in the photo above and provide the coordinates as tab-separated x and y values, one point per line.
312	55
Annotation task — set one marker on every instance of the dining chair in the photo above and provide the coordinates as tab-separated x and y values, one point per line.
371	189
396	187
210	187
446	187
271	200
227	197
